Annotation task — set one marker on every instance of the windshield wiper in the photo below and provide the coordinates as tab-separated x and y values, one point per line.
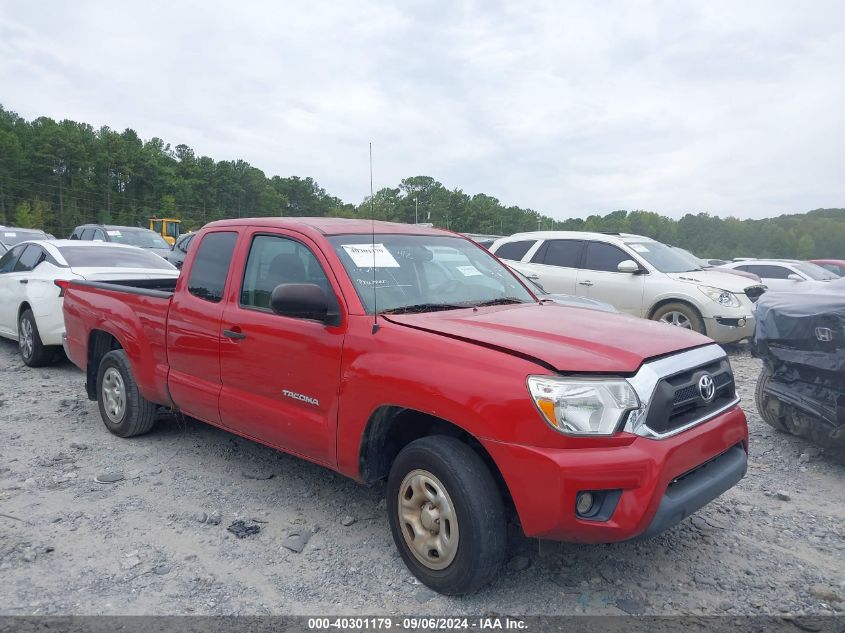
501	301
424	307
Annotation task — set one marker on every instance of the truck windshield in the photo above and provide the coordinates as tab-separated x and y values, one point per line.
665	258
423	273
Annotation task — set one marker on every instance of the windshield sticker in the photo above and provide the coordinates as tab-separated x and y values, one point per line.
114	233
639	248
468	271
10	234
367	255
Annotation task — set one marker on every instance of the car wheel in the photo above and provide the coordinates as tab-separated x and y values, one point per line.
33	351
770	409
446	515
680	315
124	411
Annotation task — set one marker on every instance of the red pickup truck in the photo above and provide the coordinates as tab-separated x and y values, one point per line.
397	352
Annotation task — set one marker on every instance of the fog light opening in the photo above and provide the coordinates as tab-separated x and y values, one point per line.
584	503
741	322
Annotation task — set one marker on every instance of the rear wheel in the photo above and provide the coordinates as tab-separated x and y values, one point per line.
680	315
770	409
33	352
446	515
124	411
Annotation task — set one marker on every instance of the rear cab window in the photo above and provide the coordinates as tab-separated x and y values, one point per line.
211	265
106	256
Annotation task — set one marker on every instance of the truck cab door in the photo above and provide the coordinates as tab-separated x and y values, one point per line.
281	374
193	328
600	279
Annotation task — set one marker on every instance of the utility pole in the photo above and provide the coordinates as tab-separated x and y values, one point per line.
416	210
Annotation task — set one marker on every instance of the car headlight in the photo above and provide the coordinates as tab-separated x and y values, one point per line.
722	297
582	406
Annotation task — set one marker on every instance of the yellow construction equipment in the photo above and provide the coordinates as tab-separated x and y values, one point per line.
168	228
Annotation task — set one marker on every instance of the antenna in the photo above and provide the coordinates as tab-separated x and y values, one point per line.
373	227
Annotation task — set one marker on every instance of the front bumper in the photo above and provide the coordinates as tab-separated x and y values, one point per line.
650	473
728	330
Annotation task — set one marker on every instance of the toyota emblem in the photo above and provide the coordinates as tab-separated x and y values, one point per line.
706	387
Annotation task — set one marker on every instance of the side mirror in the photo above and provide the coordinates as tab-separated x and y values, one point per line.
795	277
304	301
628	266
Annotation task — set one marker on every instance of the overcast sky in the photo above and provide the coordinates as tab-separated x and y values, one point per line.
567	108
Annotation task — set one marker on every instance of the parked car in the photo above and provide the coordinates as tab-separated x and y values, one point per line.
836	266
176	256
786	274
331	339
34	275
705	264
11	235
131	235
571	301
637	275
801	388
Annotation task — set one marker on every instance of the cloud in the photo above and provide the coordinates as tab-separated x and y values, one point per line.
567	108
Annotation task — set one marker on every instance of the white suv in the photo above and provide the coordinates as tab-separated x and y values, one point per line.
637	275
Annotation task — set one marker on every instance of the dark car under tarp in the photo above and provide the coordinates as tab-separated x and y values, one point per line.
801	339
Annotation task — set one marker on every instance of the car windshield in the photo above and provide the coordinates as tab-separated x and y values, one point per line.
104	256
10	236
137	237
424	273
665	258
816	272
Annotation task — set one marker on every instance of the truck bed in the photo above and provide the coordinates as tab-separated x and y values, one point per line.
132	314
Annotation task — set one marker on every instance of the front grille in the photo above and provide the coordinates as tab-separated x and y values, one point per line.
754	292
677	399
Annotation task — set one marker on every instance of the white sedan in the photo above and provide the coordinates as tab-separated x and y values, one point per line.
34	274
791	275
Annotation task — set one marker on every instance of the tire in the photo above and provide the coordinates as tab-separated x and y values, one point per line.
680	315
33	352
772	415
473	537
124	411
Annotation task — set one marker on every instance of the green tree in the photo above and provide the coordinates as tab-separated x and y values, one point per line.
23	215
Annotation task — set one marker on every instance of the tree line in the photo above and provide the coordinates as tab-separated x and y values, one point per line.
56	175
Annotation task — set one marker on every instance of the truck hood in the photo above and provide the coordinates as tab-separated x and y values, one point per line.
557	337
716	279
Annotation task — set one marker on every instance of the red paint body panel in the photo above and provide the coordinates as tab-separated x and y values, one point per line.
466	366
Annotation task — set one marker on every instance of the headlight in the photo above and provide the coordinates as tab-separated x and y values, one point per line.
583	406
722	297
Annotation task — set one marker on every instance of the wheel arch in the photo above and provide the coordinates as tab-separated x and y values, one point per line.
667	300
100	343
24	306
390	428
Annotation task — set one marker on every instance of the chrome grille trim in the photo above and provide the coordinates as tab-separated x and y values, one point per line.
645	382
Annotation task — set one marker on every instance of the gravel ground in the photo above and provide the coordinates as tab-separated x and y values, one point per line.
157	541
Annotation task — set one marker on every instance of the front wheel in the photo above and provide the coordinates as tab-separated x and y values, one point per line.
446	515
124	411
33	352
680	315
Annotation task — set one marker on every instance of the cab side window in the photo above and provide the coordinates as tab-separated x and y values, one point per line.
31	257
767	271
275	260
211	265
604	257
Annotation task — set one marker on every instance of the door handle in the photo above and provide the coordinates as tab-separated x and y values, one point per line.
23	281
233	334
586	283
